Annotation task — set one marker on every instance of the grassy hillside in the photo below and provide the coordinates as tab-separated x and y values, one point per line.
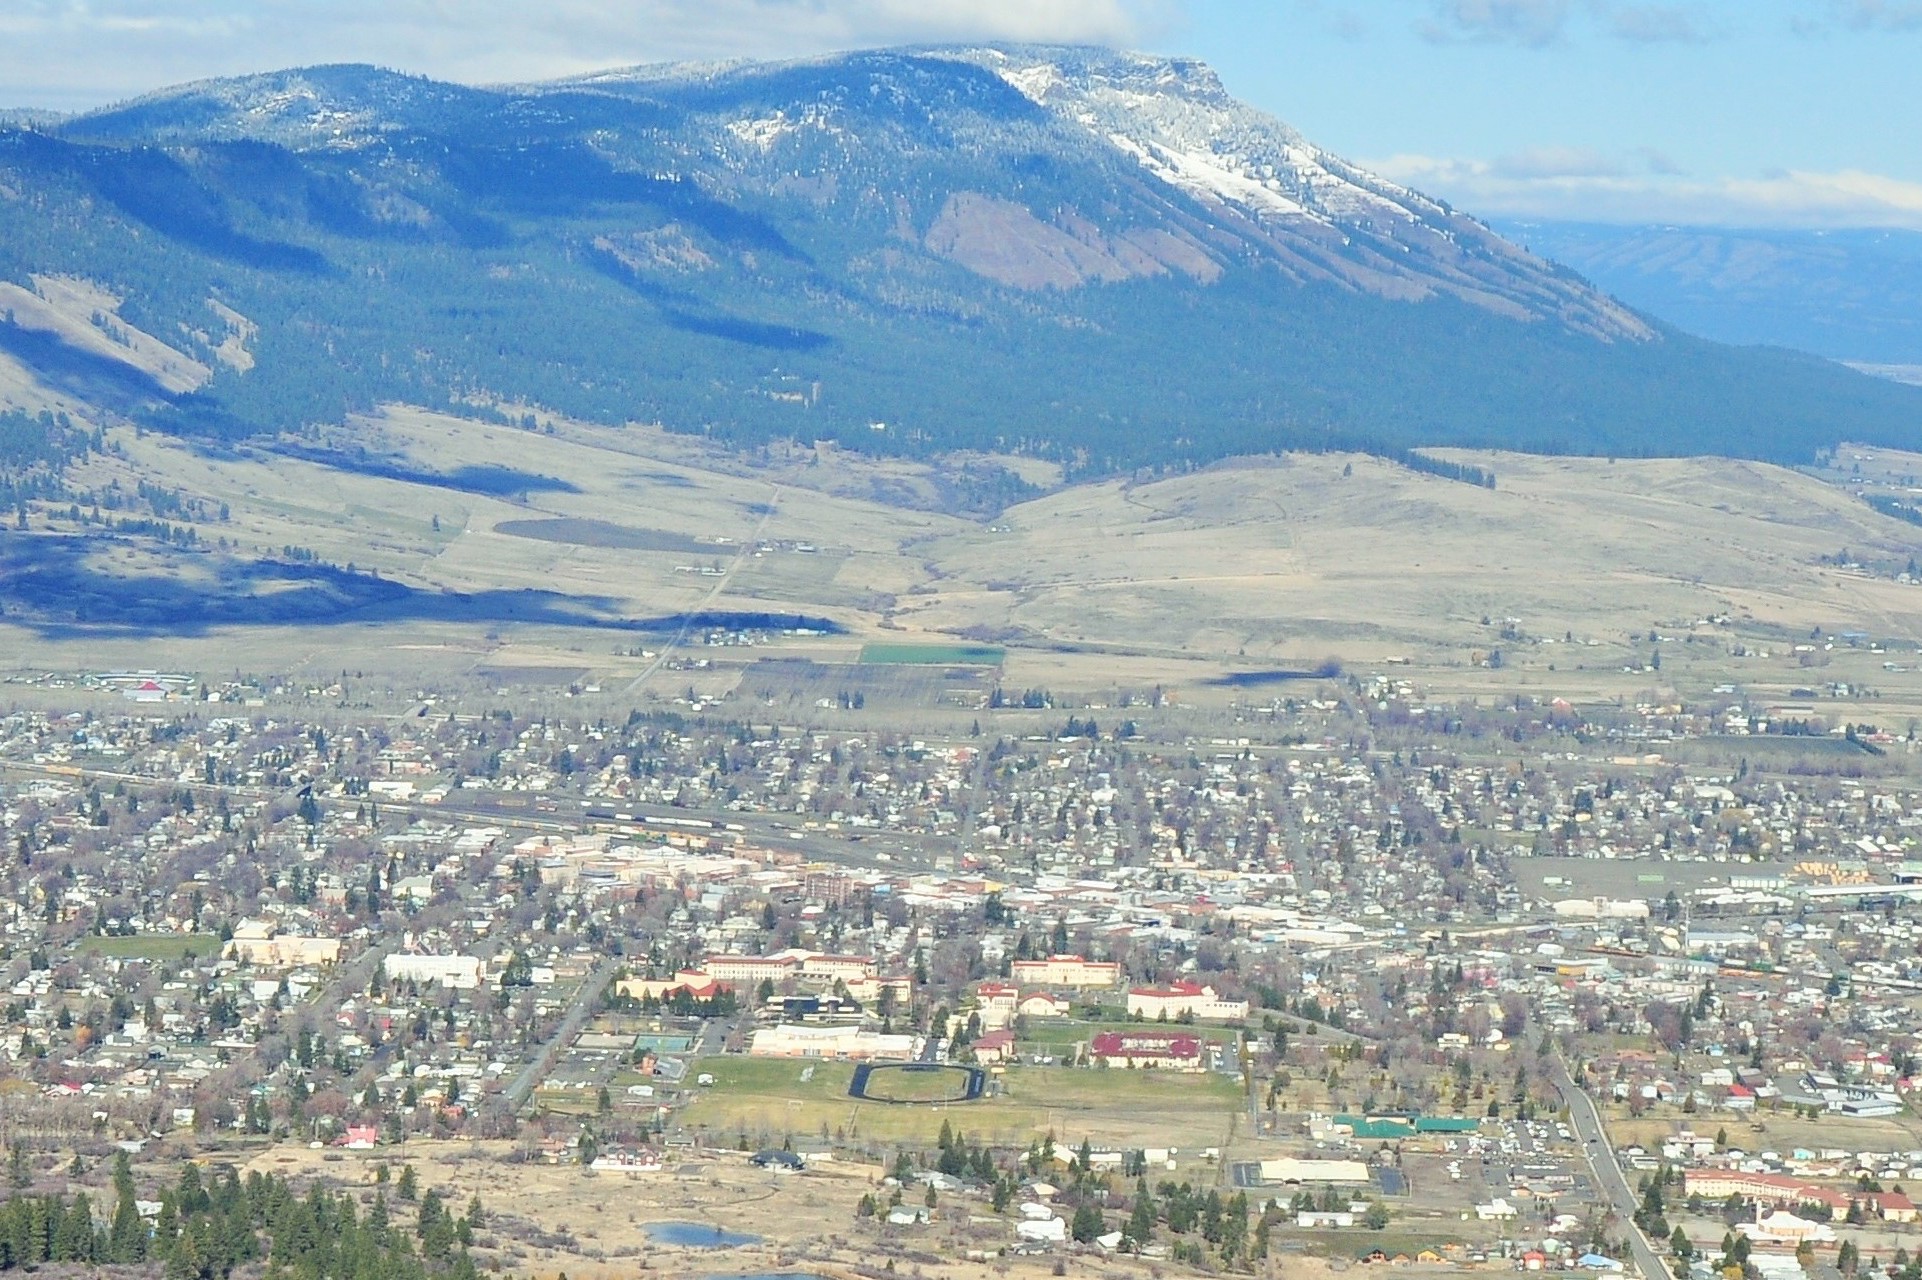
668	571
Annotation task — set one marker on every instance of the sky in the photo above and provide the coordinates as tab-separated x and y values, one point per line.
1753	113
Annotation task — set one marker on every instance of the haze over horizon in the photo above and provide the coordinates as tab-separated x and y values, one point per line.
1778	114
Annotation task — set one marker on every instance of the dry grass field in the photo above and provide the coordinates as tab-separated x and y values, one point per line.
1772	1131
546	1219
1259	564
1290	558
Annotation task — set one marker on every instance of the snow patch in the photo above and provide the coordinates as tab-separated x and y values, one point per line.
1035	82
1203	174
764	132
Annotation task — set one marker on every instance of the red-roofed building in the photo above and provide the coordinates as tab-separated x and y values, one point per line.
998	1004
1183	999
1763	1188
1177	1050
1039	1004
1891	1206
993	1046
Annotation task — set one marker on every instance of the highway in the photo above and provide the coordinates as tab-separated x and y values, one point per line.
1586	1121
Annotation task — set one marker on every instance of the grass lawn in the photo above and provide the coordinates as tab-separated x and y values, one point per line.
1058	1033
1094	1087
943	1084
785	1077
766	1099
1354	1242
933	655
152	946
568	1102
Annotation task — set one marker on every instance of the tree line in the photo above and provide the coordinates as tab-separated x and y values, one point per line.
206	1229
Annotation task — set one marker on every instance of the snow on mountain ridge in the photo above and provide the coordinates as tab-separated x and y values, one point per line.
1232	186
1320	216
1179	121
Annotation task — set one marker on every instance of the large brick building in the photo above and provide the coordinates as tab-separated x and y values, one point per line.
1065	971
1175	1050
1184	999
1780	1189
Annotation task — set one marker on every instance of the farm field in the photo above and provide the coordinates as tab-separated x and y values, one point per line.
799	682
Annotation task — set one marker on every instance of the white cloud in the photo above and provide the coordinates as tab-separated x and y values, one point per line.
1793	198
1539	23
1656	23
1528	22
1878	15
71	53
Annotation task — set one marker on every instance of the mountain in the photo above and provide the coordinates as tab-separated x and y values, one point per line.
1098	257
1849	295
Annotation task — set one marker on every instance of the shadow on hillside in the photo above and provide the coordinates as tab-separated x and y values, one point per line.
1259	679
52	586
483	479
155	189
79	374
691	313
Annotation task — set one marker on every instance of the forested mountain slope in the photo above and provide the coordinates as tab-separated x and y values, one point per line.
1094	256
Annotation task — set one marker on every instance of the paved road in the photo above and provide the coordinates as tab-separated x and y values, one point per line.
522	1087
747	546
1586	1121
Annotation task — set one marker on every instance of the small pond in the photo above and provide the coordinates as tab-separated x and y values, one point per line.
697	1235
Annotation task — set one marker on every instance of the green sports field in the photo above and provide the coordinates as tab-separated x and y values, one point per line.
766	1099
153	946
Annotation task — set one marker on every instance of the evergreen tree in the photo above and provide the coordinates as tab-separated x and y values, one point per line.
127	1238
1141	1218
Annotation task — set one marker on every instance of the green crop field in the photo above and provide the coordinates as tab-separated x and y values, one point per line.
153	946
933	655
